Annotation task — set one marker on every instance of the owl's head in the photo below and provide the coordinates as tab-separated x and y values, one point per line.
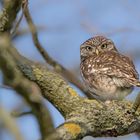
95	46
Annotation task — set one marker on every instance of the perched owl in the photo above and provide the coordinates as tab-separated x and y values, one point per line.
108	75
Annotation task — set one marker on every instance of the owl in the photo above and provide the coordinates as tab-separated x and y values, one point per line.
107	74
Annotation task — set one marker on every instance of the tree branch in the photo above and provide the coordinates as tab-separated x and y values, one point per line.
24	87
70	131
53	86
10	124
100	120
7	18
9	14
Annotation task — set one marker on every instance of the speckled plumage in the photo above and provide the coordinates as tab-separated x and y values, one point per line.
108	75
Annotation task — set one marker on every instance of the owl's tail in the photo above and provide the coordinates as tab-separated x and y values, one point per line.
135	82
138	84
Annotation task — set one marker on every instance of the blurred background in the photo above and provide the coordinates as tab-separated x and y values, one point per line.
62	26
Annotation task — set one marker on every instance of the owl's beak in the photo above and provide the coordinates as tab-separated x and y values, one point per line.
97	51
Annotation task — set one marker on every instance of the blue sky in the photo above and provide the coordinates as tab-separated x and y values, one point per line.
66	24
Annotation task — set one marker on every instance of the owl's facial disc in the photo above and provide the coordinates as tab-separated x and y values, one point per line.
95	46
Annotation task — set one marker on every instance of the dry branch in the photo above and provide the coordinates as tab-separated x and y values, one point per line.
9	13
27	89
10	124
13	77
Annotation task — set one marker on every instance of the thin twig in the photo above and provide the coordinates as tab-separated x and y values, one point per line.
5	87
20	114
17	25
25	31
10	124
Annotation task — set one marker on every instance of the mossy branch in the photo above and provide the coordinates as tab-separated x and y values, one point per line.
8	14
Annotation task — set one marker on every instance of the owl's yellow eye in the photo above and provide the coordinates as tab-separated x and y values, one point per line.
104	46
88	48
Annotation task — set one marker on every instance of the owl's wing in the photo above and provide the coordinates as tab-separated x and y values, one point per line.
116	65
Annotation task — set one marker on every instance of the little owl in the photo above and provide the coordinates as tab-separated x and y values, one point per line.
108	75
